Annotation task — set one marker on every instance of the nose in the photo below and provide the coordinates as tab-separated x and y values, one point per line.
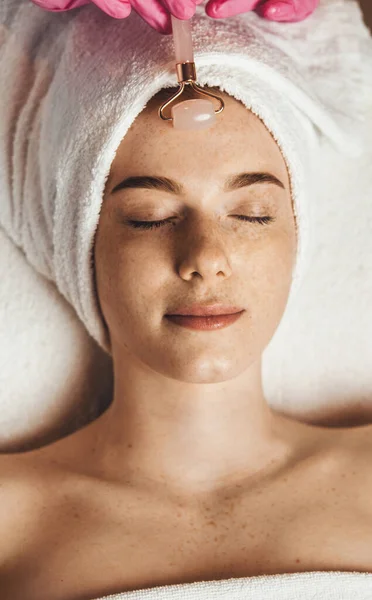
203	252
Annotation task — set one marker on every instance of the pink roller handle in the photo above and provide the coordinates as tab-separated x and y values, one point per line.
182	40
198	113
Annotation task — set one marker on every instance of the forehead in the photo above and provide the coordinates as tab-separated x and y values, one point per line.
238	141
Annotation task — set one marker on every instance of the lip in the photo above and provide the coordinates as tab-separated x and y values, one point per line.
206	310
205	323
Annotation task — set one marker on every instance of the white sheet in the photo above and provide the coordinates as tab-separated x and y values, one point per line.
314	585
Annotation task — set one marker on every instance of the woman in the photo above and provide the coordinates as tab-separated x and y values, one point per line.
189	475
179	481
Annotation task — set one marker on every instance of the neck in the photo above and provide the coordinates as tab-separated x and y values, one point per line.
188	439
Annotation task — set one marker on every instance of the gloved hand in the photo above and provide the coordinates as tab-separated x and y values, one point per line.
155	12
274	10
115	8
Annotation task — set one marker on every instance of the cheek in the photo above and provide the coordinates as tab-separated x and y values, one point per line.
132	279
270	269
267	277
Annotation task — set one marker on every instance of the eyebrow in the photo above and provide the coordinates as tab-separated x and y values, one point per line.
164	184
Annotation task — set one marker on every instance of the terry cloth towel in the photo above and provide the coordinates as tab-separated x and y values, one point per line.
312	585
73	83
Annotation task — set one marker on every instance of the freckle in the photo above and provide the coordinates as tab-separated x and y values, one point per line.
211	523
252	536
297	560
244	525
130	446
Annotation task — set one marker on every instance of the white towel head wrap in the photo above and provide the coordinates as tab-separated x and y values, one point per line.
83	77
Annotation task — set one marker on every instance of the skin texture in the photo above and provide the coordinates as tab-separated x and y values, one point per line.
182	396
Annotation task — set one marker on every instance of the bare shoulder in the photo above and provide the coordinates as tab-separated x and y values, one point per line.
21	493
354	464
357	443
16	471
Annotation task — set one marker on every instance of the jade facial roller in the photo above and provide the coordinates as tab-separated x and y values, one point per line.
194	114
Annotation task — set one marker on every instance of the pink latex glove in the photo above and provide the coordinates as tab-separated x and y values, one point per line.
155	12
274	10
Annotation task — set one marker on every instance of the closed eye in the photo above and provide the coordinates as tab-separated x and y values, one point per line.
152	224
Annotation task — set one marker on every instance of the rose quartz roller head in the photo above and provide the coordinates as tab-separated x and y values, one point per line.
194	114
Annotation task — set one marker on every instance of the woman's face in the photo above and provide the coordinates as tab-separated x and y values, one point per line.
203	252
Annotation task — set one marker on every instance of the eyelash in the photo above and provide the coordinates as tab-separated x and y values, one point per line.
153	224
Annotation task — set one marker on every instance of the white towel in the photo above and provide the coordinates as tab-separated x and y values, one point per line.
73	83
313	585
